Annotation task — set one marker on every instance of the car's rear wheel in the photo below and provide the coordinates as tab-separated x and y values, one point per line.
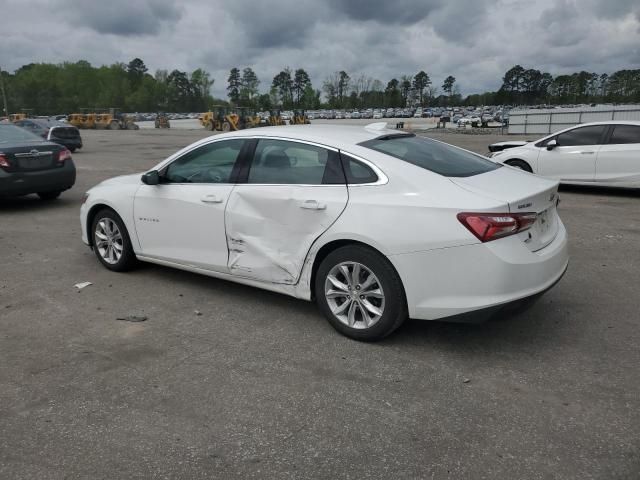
48	195
360	293
111	242
521	164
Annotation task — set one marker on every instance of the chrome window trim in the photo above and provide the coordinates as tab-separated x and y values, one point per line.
382	177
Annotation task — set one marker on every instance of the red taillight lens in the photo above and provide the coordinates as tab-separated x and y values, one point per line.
63	155
491	226
4	163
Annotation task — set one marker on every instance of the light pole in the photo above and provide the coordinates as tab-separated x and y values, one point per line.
4	96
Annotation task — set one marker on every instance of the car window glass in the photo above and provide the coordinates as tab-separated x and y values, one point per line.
211	163
287	162
625	134
356	171
431	155
10	133
581	136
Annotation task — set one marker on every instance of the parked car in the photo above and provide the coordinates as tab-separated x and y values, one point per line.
469	120
374	225
54	131
30	164
599	153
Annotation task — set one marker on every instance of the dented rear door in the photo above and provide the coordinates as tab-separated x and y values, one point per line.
293	192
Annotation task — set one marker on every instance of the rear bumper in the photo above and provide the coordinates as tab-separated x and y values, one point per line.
70	143
479	279
52	180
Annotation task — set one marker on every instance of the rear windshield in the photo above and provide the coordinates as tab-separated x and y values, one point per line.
435	156
13	134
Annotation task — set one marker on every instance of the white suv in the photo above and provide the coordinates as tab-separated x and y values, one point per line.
600	153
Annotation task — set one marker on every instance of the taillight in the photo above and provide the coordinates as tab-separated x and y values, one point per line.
4	163
63	155
491	226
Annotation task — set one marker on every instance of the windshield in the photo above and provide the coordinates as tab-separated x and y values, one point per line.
13	134
431	155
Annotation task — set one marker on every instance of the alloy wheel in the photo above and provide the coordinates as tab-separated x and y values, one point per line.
354	295
109	241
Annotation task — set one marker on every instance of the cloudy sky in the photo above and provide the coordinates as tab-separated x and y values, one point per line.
474	40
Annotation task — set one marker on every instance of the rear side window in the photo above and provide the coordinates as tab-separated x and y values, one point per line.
625	134
356	171
591	135
293	163
436	157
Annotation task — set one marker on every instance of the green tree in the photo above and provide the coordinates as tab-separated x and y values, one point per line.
301	81
249	86
421	82
392	97
234	83
283	85
343	86
447	85
405	89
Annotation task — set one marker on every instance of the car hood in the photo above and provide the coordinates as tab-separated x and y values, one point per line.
500	146
133	179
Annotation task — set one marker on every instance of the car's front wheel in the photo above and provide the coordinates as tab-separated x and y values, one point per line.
360	293
111	242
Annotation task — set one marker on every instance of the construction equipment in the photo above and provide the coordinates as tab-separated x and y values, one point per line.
221	119
299	118
249	118
111	119
275	119
162	121
24	113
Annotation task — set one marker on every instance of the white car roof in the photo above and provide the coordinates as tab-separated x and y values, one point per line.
337	136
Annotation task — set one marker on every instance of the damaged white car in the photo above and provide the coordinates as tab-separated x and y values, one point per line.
374	225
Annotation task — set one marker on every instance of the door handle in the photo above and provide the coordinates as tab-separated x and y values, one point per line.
587	153
313	205
211	199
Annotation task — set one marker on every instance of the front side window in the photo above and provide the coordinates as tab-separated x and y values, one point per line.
591	135
211	163
431	155
623	134
293	163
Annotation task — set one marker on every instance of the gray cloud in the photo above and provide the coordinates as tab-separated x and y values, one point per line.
476	41
123	17
385	11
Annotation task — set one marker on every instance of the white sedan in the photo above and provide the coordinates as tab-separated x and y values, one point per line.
599	153
374	225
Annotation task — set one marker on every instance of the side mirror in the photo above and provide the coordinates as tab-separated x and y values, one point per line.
151	178
552	144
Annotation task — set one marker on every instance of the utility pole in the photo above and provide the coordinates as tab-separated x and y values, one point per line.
4	96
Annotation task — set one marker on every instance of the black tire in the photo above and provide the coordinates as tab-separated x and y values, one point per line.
72	149
48	195
521	164
395	306
127	259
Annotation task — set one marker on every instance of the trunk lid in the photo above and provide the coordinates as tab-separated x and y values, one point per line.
31	157
522	192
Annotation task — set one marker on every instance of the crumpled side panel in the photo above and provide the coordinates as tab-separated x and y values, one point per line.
269	234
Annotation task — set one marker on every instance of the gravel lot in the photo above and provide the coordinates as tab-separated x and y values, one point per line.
260	386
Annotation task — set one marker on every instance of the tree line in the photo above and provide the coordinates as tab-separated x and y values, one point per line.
69	87
48	89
